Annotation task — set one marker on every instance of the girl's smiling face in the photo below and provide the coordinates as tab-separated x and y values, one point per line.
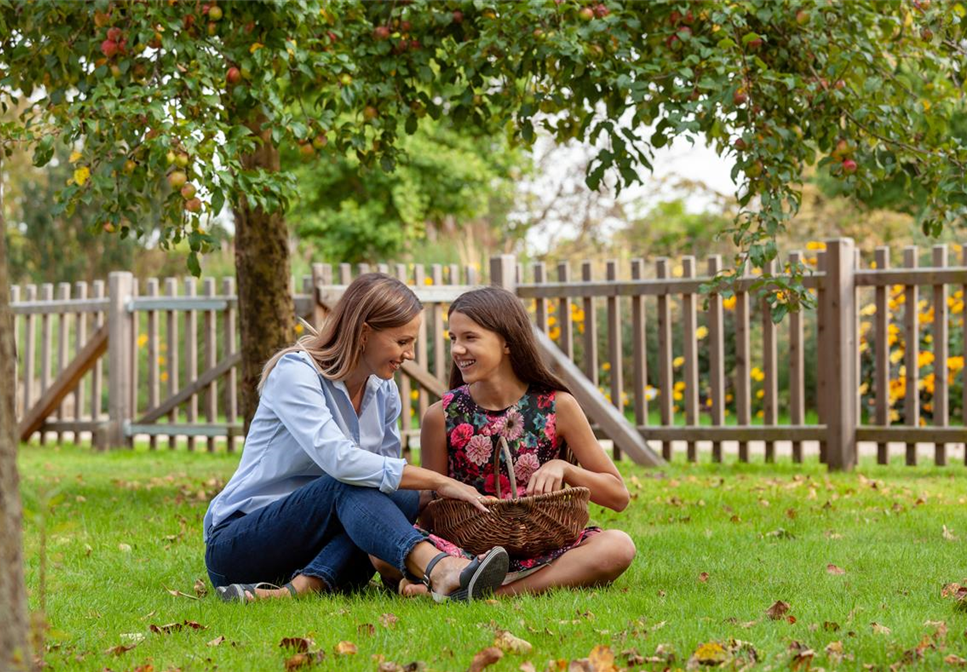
476	351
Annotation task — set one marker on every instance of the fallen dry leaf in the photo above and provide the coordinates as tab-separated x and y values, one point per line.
178	593
880	629
507	641
527	666
215	642
300	644
632	658
703	577
948	534
366	629
388	620
301	660
831	626
602	659
485	658
345	649
124	548
833	569
710	654
176	627
835	651
119	649
200	588
777	610
955	660
802	659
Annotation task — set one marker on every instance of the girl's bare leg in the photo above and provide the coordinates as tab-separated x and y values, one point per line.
598	561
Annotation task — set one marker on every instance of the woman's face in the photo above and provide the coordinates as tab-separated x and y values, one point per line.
385	351
476	351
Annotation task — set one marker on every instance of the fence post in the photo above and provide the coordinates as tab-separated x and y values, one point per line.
120	357
839	335
503	271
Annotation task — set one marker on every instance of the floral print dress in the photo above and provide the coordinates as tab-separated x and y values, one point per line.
529	426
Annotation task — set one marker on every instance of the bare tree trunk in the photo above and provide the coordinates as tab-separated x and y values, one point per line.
265	309
14	651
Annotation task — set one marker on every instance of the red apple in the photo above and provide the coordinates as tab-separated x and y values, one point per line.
740	96
457	16
586	14
601	10
114	34
307	151
370	113
755	44
740	144
233	76
320	141
849	166
215	13
109	48
188	191
108	227
193	205
181	160
405	26
802	17
382	32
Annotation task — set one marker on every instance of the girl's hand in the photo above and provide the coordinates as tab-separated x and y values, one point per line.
549	478
454	489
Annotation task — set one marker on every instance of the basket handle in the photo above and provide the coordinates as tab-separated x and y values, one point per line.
503	448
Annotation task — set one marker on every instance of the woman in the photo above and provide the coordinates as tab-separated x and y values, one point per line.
320	485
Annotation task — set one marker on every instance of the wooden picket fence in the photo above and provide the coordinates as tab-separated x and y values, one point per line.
170	356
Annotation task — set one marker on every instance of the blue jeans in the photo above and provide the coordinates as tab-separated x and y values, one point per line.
325	529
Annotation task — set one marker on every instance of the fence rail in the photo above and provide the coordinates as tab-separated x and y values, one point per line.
880	360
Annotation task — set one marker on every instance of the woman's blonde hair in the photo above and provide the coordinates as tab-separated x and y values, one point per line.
376	299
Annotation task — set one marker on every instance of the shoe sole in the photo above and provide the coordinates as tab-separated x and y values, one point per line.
490	575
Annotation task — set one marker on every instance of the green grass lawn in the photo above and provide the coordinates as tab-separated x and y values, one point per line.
717	546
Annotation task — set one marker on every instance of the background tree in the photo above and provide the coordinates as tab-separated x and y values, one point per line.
200	97
13	597
449	177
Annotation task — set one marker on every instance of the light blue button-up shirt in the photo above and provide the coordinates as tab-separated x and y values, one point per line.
306	426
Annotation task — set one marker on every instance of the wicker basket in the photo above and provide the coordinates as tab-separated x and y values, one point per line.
524	526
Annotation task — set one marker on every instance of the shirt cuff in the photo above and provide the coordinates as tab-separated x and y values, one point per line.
392	474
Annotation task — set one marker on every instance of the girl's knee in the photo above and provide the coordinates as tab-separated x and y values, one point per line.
619	549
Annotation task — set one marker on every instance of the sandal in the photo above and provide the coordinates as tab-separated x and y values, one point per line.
239	592
477	580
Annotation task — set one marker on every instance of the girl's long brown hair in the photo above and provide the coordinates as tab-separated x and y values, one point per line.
376	299
500	311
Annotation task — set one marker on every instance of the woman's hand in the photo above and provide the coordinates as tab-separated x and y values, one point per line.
454	489
549	478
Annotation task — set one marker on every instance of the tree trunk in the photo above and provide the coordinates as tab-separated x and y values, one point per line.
265	309
14	652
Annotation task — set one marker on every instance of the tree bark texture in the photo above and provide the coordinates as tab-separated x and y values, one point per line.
14	652
265	308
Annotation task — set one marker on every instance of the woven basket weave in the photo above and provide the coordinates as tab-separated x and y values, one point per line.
524	526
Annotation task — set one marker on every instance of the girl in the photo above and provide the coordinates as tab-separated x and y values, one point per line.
320	484
500	387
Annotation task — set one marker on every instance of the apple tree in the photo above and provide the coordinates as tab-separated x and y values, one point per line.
194	100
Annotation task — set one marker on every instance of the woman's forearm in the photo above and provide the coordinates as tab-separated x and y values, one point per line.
418	478
606	489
